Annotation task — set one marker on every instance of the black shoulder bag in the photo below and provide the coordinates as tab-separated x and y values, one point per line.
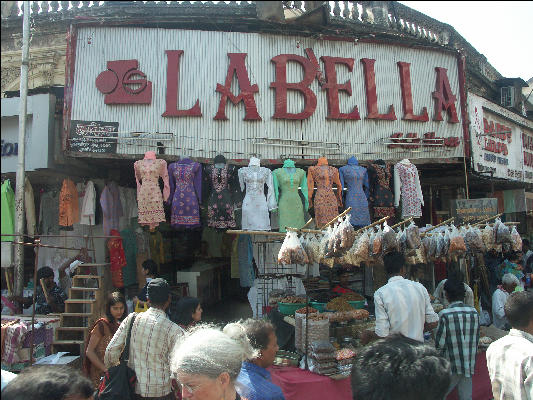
118	383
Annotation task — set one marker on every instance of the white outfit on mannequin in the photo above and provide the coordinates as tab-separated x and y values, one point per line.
407	186
255	206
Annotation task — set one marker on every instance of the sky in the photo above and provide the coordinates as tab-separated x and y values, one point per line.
500	30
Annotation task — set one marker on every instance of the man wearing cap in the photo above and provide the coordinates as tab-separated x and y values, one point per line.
153	336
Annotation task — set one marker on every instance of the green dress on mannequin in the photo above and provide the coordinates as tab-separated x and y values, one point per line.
291	210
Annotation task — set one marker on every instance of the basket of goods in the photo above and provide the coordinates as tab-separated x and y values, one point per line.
354	299
339	304
289	304
291	251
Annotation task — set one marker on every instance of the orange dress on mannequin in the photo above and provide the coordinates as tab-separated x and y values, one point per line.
325	204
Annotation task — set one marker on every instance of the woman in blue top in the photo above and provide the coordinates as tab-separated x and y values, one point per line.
254	381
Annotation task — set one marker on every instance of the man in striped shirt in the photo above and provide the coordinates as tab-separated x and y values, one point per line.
458	336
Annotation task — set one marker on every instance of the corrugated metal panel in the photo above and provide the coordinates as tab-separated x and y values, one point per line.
204	64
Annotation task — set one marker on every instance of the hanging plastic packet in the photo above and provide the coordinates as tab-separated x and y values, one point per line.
362	246
291	251
341	238
503	234
440	244
402	240
389	242
324	243
517	240
473	240
446	242
413	236
487	235
457	243
306	245
377	245
372	235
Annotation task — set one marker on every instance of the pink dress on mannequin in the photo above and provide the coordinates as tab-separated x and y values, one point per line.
149	197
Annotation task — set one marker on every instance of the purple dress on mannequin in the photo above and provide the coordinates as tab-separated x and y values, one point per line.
185	178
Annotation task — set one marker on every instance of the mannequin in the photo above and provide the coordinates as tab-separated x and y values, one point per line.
256	205
222	184
289	179
355	179
185	193
381	195
149	197
326	207
407	186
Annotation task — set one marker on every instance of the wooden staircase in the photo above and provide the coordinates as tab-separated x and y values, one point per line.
86	303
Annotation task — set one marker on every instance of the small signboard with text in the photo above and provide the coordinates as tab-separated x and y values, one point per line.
473	210
93	136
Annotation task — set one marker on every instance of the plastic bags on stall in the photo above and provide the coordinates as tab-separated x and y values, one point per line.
402	241
362	249
440	244
291	251
503	235
413	236
324	243
473	240
389	241
341	238
487	235
517	240
457	243
377	243
305	241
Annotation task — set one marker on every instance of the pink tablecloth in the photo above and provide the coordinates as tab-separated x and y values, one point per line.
481	387
297	384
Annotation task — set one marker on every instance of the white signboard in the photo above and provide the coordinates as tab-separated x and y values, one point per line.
201	93
502	142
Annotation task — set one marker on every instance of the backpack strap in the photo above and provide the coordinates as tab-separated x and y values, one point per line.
125	355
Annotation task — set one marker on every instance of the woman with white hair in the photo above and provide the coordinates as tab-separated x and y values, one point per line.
207	362
509	283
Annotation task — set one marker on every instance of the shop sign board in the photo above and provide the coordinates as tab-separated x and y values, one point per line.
472	210
502	142
83	136
271	95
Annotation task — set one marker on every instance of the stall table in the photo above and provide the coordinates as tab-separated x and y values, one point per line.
298	384
481	387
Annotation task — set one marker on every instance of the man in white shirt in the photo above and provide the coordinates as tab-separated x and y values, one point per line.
441	297
401	306
509	283
510	359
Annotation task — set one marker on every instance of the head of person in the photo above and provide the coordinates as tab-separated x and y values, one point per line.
116	309
344	278
519	311
158	293
510	282
206	362
49	382
525	246
400	365
47	274
149	268
262	337
394	263
454	289
188	311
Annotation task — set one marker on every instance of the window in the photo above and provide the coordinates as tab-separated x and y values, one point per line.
507	96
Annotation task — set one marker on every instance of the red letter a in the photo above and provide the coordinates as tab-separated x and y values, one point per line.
173	77
238	67
444	98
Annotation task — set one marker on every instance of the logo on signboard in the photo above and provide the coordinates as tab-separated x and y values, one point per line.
124	83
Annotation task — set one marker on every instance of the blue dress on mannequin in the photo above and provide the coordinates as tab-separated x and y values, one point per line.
355	179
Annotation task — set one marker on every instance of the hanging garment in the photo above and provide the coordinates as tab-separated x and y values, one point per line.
246	268
8	211
49	213
69	213
117	258
235	258
381	196
255	206
149	197
111	207
224	193
407	186
29	208
129	202
129	271
88	205
185	193
324	176
355	179
157	251
290	208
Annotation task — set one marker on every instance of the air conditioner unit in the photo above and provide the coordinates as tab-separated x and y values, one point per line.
507	96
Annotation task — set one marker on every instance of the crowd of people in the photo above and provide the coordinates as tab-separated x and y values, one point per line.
175	356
